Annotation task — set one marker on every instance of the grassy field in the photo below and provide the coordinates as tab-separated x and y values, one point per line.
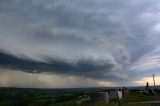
33	97
137	97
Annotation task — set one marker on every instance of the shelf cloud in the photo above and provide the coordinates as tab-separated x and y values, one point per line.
104	40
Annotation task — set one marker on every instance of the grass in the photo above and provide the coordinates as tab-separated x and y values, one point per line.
7	103
137	97
133	99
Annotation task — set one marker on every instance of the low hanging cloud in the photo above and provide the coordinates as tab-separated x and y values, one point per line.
102	40
10	78
82	68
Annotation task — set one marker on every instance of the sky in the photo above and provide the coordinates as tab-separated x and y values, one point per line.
79	43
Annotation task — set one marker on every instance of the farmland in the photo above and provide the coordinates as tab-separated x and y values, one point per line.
63	97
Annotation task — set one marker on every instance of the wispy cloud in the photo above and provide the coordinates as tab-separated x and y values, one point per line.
147	62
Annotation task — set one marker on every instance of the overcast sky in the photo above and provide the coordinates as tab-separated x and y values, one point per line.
79	43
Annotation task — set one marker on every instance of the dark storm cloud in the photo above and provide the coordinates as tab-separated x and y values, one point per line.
104	39
82	68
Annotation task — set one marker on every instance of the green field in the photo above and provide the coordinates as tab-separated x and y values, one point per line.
35	97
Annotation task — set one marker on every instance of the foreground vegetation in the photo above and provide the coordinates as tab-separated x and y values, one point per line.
35	97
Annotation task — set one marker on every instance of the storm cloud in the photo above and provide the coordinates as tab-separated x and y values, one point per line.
105	40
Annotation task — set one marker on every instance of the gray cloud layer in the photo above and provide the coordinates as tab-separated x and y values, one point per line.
104	39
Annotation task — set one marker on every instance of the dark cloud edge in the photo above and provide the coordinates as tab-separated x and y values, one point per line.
85	68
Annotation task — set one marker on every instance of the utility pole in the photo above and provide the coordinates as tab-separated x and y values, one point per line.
154	83
34	77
